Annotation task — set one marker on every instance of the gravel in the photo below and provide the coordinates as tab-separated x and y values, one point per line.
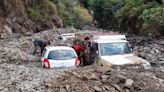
21	71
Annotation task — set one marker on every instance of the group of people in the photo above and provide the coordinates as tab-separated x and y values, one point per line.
85	50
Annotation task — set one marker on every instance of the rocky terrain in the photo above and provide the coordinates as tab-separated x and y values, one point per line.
21	71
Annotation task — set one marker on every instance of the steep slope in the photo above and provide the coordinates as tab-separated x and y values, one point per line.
28	16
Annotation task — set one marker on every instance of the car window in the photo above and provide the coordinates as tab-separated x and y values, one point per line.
61	55
114	48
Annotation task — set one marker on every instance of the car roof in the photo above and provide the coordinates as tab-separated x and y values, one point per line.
59	48
109	37
109	41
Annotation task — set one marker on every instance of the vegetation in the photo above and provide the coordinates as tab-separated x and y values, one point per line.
72	13
137	16
44	9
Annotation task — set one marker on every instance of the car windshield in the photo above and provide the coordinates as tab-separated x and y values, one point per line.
116	48
61	55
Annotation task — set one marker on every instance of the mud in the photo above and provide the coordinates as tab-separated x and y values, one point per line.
21	71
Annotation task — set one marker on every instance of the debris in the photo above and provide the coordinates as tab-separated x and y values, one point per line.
97	89
31	77
117	87
129	83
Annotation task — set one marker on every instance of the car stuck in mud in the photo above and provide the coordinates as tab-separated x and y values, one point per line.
115	50
112	49
59	56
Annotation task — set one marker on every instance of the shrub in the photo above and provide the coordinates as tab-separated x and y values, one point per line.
80	17
84	3
153	18
34	12
104	11
72	14
43	9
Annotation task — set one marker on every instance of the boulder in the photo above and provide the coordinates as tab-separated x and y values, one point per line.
129	83
97	89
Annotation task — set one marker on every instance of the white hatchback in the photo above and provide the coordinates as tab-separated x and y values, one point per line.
59	56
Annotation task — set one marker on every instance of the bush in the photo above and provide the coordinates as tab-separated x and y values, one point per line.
34	12
84	3
131	15
72	14
43	9
80	17
104	11
153	18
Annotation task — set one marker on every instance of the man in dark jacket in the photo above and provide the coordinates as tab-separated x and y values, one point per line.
41	44
93	52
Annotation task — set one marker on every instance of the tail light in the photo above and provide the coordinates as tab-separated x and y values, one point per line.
77	62
46	62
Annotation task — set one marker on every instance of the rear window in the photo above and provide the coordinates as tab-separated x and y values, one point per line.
61	55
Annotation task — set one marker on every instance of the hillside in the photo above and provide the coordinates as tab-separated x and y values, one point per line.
142	17
30	16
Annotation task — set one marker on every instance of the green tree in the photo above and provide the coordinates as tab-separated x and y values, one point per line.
104	11
84	3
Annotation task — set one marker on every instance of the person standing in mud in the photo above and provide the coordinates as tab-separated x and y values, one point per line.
40	44
93	53
86	54
77	45
87	40
89	54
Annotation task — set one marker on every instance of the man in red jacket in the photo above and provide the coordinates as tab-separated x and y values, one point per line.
77	47
79	50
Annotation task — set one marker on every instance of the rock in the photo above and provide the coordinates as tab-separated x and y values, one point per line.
108	88
27	47
127	90
8	30
129	83
3	35
67	87
75	74
58	22
122	78
97	89
91	76
117	87
105	76
147	66
62	90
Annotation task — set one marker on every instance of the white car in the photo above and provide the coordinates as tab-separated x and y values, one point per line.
115	50
59	56
67	35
